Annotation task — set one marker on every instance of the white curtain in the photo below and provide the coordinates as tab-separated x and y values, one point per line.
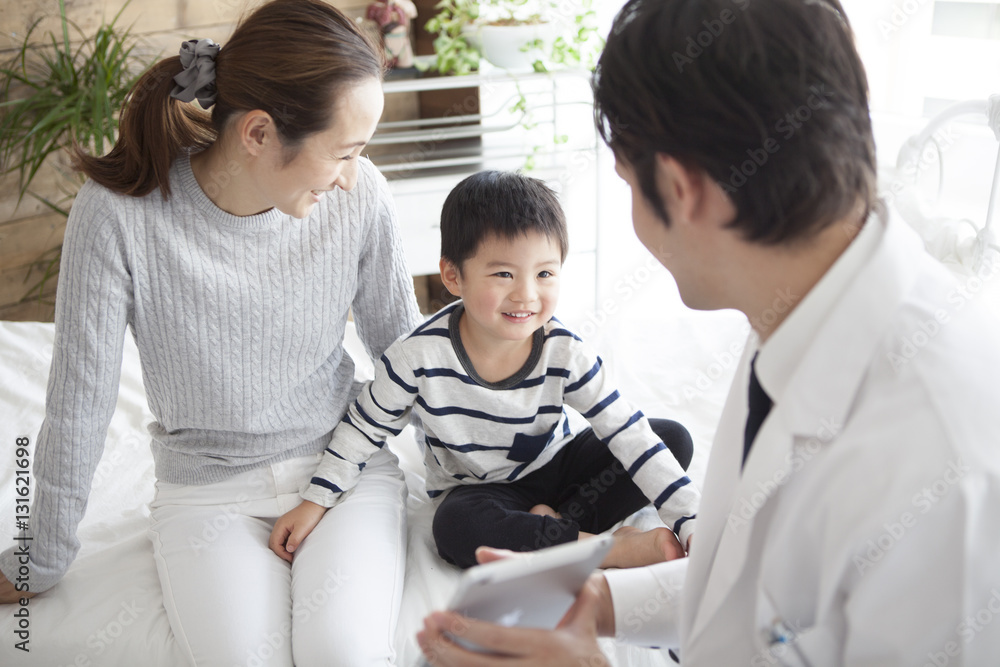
923	54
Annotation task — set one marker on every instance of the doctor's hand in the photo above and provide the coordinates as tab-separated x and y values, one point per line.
9	594
294	526
571	644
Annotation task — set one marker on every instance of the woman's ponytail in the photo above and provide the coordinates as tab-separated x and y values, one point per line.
153	130
289	58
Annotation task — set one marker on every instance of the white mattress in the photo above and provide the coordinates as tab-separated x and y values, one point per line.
108	610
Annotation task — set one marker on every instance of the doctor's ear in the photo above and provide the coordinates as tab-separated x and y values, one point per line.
689	193
451	276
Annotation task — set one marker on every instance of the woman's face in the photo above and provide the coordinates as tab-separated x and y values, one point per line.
325	160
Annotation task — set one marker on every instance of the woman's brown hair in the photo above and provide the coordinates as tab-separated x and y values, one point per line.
289	58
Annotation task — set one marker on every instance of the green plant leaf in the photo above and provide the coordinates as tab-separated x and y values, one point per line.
56	92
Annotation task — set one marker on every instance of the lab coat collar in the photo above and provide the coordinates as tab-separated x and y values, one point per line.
778	358
820	391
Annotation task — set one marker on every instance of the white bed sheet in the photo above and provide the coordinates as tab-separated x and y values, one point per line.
108	610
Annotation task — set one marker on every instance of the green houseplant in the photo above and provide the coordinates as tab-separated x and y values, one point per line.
55	94
545	33
569	37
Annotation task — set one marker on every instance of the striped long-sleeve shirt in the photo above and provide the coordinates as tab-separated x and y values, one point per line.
477	431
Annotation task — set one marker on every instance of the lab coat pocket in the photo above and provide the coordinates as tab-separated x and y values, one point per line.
789	642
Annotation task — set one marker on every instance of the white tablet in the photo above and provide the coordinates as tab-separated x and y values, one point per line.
533	589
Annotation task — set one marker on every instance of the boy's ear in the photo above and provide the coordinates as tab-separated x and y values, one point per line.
450	276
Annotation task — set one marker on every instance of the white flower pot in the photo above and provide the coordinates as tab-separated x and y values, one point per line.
501	44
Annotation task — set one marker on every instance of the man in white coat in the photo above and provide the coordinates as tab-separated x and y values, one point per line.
851	509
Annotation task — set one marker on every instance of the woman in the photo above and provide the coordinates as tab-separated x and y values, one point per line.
234	246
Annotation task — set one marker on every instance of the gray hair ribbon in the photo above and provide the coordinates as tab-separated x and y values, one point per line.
198	77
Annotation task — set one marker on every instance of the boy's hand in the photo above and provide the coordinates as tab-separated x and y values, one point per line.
293	527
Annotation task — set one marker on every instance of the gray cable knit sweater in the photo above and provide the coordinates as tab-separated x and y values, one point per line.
239	323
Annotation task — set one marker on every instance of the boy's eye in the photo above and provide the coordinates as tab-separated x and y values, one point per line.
503	274
545	274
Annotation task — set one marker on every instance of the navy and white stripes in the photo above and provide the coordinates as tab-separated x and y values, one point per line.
476	431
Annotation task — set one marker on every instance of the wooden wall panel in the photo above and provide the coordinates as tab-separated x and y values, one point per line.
24	241
17	285
29	231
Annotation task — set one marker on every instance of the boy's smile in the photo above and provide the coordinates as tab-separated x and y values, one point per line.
509	288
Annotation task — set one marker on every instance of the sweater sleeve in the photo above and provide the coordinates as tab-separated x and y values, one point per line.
630	438
380	411
384	307
93	308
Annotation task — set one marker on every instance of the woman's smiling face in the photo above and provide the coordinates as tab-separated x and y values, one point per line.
325	160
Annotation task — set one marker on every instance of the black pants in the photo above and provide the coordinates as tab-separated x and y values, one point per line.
584	482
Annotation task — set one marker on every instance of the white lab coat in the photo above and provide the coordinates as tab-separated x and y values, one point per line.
865	526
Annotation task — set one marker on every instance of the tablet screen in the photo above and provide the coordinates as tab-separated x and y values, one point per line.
533	589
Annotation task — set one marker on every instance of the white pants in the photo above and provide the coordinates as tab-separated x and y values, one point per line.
232	602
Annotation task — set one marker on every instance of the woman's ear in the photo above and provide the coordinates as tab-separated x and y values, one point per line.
255	131
451	277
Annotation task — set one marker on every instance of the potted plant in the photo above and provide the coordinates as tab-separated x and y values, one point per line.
514	34
55	94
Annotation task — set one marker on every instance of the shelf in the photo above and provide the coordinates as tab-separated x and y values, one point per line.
424	158
487	76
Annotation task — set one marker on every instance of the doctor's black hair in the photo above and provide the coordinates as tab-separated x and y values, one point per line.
769	98
505	204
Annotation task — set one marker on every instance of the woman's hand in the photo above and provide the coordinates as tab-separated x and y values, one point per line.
571	644
293	527
9	594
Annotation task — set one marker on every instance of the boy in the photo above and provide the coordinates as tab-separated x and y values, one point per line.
488	376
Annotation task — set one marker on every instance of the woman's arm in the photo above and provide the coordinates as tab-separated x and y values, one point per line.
93	308
384	307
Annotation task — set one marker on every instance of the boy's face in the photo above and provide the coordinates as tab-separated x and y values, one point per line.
509	287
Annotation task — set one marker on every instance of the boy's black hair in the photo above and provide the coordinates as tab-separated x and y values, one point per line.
498	203
768	97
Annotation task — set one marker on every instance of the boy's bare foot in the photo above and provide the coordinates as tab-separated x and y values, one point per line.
636	548
545	510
